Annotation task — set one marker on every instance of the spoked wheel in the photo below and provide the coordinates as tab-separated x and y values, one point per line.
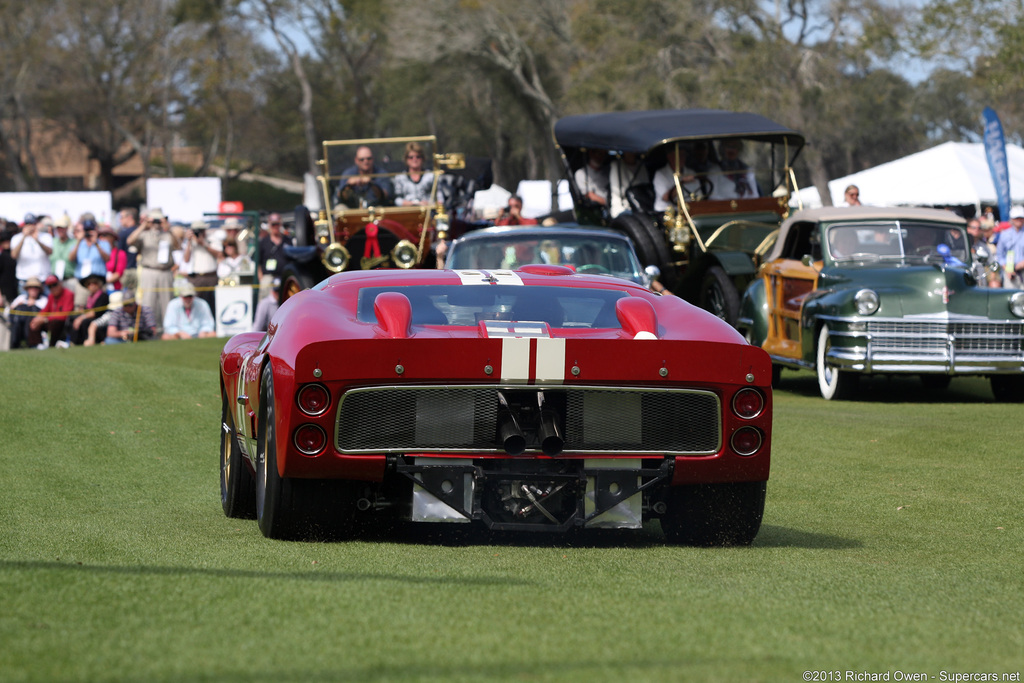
237	488
1008	388
714	514
832	382
293	281
719	296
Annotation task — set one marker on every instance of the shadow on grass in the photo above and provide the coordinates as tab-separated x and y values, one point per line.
651	536
893	389
312	575
783	537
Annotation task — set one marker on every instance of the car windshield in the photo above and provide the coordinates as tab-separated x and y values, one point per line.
363	173
586	253
896	240
469	305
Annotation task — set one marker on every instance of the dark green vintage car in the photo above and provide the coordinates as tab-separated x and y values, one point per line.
865	290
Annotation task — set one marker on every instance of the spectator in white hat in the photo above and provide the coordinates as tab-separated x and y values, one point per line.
61	262
201	256
155	242
188	316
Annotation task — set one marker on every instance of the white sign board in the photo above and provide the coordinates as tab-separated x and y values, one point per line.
234	310
536	196
184	200
14	205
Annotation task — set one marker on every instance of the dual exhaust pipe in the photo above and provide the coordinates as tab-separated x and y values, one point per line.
544	424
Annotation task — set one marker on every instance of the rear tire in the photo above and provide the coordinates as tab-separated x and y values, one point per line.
1008	388
714	514
274	494
649	242
237	487
833	383
719	296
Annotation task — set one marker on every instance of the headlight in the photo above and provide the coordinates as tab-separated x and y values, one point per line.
405	254
867	301
335	258
1017	304
323	232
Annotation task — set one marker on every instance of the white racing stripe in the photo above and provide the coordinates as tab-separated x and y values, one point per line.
488	277
515	359
550	361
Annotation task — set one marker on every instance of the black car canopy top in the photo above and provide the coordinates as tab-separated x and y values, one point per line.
641	131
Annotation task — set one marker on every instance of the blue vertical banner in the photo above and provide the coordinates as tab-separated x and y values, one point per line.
995	152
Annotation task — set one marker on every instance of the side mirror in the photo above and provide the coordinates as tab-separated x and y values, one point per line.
652	272
807	260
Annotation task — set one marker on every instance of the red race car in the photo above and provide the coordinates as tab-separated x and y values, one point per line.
534	399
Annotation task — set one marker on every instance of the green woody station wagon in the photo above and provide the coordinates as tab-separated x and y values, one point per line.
869	290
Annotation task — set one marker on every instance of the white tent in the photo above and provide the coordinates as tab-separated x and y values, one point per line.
951	174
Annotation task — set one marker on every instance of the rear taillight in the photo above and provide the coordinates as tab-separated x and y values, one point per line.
310	439
746	440
313	399
748	403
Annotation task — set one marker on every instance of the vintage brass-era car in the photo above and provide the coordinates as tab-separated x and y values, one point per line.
535	399
727	196
361	225
864	290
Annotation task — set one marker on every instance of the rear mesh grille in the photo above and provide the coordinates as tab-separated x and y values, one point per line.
464	418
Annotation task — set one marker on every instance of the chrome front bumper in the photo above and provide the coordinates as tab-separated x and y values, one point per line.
949	346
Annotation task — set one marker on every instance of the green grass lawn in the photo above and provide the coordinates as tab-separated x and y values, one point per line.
891	543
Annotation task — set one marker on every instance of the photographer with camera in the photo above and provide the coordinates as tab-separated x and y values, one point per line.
155	242
199	260
89	254
512	214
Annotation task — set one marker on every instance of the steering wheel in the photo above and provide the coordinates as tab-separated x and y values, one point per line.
593	269
361	196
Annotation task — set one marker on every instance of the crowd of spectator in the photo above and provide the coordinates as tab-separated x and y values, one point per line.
67	282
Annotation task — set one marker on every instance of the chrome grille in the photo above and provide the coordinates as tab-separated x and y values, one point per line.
934	338
464	418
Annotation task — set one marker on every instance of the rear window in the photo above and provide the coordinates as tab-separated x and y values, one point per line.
588	254
468	305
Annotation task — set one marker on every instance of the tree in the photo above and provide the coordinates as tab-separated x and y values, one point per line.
21	46
105	70
983	42
490	49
